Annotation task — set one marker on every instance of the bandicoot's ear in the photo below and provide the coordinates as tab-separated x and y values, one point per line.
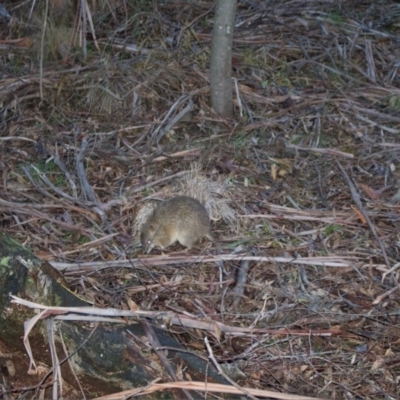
151	227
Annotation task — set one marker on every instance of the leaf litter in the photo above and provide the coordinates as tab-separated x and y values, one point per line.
303	185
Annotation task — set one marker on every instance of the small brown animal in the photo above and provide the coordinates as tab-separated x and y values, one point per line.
179	218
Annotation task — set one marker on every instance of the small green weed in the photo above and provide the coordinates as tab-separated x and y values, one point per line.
331	229
336	17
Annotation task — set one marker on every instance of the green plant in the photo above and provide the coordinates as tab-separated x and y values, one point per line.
331	229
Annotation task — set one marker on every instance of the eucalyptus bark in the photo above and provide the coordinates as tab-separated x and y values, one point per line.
221	57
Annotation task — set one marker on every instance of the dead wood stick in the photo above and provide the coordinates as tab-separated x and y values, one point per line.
172	259
80	168
54	187
166	178
384	116
57	160
86	188
39	188
155	344
383	296
356	198
241	282
159	132
221	371
17	208
191	152
332	152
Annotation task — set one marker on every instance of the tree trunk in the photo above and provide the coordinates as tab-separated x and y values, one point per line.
221	57
112	359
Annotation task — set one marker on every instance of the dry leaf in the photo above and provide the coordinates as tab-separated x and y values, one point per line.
217	332
132	305
359	214
371	193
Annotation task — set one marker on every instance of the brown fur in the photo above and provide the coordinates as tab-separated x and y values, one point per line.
183	219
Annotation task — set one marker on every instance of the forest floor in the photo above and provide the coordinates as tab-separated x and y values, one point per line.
303	183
